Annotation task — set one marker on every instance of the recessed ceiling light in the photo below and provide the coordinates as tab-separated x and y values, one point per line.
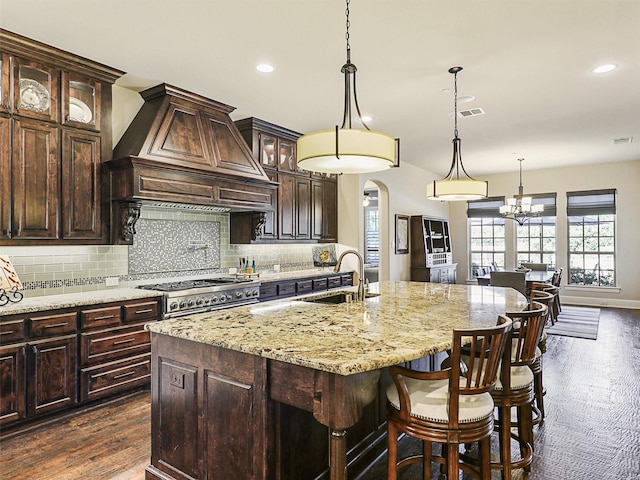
604	68
366	118
265	68
466	99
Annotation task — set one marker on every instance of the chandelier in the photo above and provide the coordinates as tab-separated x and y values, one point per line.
519	208
457	186
347	149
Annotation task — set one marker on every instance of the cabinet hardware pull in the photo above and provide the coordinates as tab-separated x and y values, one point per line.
8	332
144	311
124	341
56	325
122	375
106	317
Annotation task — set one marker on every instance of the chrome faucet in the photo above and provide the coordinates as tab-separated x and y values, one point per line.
360	296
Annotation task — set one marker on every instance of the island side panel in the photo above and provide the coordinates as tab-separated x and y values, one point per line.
208	417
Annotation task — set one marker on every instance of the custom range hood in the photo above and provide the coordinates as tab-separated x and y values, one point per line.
183	150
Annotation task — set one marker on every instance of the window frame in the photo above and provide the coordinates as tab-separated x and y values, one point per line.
592	207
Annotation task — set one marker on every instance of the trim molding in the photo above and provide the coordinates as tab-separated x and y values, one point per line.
600	302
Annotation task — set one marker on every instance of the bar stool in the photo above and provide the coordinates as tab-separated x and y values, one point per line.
446	407
545	299
515	389
555	291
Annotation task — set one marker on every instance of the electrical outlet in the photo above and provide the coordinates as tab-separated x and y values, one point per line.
276	268
111	281
233	271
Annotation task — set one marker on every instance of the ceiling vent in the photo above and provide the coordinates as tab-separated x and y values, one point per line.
621	141
472	112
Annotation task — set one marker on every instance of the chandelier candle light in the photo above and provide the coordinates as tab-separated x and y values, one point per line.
519	208
457	185
346	149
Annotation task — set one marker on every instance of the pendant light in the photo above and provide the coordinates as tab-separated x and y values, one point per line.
347	149
519	208
457	185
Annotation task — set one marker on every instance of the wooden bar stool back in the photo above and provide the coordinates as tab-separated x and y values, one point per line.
515	388
447	407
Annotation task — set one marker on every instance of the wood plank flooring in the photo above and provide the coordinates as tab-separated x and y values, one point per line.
592	429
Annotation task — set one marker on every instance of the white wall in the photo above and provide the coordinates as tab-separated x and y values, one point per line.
403	191
625	177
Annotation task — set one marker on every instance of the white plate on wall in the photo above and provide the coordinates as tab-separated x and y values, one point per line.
79	111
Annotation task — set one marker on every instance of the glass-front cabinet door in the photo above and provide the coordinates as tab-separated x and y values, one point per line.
5	83
81	101
35	90
287	156
267	150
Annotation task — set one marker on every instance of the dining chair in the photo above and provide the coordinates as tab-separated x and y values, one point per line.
541	267
515	280
447	406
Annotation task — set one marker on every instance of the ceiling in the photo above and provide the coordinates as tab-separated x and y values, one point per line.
527	63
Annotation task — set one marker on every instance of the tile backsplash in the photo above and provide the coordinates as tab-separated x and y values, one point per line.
170	244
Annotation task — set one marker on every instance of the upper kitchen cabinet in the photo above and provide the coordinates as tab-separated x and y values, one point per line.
305	208
55	127
272	145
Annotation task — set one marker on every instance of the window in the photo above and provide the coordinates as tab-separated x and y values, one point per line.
371	236
486	235
536	239
591	218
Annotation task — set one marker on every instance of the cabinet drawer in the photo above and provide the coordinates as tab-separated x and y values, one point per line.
11	331
286	289
319	284
304	286
347	279
108	345
109	378
334	282
100	317
268	290
49	325
139	311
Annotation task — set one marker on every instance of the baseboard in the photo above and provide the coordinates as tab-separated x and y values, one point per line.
600	302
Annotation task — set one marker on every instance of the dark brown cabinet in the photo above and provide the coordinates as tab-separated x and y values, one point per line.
56	359
297	286
306	205
57	109
431	255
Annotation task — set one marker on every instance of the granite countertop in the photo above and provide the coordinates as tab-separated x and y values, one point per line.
407	321
66	300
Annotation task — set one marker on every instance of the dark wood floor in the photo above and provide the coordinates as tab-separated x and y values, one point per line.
592	428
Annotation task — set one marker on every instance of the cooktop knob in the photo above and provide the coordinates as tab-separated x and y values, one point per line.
199	301
238	294
214	299
192	302
183	304
223	298
173	305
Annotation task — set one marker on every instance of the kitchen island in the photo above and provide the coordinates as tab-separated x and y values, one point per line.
219	378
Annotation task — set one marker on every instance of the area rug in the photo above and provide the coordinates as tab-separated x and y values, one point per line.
578	322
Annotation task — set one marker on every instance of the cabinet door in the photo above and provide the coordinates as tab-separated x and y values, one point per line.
5	177
52	375
271	225
267	150
81	185
35	90
330	211
303	208
35	180
286	207
287	156
12	386
317	221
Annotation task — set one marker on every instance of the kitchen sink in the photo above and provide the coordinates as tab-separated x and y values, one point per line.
342	297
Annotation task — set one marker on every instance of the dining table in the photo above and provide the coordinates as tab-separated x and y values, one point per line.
532	276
